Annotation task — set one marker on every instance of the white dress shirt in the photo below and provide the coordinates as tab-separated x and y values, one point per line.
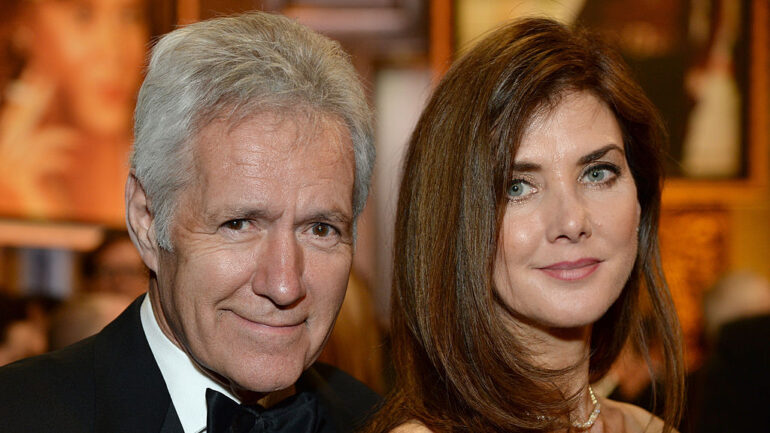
186	383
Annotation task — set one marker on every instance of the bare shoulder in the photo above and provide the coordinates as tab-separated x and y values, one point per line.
633	418
411	427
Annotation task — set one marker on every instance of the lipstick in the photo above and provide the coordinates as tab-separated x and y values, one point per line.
572	271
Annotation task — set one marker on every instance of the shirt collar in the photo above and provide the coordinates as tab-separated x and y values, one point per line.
186	383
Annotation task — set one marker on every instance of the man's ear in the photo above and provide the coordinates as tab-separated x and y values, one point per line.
141	223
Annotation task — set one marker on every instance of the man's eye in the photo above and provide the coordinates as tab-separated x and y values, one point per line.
322	230
235	225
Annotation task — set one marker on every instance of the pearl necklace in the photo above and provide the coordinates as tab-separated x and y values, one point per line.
594	414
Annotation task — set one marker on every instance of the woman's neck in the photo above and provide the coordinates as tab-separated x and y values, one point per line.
558	349
554	348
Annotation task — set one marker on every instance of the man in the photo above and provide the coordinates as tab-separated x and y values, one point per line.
730	391
253	153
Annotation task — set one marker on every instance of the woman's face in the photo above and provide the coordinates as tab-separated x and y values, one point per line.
568	239
93	51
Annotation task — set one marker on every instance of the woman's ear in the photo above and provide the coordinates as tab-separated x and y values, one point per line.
140	223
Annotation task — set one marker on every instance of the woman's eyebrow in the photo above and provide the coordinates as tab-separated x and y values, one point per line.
596	154
526	166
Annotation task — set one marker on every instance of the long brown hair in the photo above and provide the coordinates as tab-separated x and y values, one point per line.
458	367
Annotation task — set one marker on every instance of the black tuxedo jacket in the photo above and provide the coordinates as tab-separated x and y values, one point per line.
110	383
734	382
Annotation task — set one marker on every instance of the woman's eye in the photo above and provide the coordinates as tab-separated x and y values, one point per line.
599	174
131	15
519	188
83	14
236	225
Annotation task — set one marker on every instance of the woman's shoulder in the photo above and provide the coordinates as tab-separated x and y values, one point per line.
633	418
411	427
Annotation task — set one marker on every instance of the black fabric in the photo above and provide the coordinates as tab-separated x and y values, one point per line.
347	401
106	383
110	383
296	414
171	423
735	380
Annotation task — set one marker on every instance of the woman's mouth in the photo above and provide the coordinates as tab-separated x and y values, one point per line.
572	270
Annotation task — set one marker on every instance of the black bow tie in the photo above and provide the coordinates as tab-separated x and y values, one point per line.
296	414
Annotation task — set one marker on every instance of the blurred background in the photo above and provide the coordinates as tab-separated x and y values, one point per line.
69	74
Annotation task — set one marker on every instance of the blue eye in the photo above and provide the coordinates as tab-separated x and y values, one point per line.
600	173
596	175
518	188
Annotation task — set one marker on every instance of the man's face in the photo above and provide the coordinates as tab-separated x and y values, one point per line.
263	244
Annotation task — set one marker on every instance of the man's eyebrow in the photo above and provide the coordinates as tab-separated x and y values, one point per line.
596	154
239	213
331	215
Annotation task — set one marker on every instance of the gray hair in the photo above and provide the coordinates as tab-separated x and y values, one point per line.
237	66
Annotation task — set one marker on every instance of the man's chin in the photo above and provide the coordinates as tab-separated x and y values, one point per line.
267	376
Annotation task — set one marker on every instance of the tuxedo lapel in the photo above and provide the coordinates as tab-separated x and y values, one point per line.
171	424
131	395
345	402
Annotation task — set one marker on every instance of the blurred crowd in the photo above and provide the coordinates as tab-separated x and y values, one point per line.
113	276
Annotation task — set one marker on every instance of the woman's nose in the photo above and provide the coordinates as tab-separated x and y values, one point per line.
567	215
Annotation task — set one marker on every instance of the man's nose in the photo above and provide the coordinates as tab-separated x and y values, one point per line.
279	271
567	215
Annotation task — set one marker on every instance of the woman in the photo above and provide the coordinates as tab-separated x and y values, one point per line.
526	242
70	73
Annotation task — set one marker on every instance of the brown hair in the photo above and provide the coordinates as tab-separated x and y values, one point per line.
458	367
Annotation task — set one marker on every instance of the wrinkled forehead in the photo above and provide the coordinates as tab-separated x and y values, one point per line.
281	138
305	123
281	130
270	159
